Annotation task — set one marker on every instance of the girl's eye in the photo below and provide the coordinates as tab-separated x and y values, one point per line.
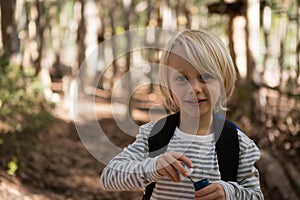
206	77
181	79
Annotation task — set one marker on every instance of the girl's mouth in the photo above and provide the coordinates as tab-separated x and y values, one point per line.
196	101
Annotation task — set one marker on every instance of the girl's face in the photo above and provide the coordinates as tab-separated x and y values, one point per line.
195	93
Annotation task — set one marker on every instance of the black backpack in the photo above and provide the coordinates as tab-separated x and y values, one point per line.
227	145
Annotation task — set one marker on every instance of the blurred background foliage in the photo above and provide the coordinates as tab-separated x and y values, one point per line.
23	105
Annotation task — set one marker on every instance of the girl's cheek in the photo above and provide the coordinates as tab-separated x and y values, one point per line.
176	96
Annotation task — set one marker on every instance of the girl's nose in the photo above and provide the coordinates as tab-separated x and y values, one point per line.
196	86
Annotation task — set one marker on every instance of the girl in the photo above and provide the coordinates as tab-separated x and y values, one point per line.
196	77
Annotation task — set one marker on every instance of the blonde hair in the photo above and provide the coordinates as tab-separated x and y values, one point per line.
206	52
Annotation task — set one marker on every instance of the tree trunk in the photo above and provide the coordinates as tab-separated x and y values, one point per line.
150	52
129	38
267	16
252	48
298	39
111	11
252	32
283	30
40	26
81	35
7	29
101	52
81	32
231	42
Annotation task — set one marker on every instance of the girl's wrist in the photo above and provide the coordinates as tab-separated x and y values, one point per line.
151	169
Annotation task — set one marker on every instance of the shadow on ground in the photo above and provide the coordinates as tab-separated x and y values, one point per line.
57	166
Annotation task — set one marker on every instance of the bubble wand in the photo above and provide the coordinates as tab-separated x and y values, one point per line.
199	184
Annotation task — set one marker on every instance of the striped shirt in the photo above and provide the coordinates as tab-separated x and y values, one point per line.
133	169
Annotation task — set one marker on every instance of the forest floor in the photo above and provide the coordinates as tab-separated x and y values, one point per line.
57	166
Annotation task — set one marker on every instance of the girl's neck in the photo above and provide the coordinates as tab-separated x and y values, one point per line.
196	125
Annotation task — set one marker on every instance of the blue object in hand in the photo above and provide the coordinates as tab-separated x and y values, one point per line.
201	184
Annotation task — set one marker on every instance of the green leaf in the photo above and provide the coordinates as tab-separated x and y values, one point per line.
12	166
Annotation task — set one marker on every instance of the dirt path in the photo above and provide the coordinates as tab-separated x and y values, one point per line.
58	166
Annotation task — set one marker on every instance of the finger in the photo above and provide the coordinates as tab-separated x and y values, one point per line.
211	196
179	168
206	190
166	169
176	159
170	171
167	158
183	158
212	191
173	164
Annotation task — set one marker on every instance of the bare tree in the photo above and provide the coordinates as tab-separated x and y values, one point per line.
8	28
298	39
40	26
80	41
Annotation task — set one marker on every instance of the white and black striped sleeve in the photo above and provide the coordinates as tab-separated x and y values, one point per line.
131	169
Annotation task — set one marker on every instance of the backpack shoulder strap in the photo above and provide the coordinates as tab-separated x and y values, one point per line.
227	147
161	134
158	141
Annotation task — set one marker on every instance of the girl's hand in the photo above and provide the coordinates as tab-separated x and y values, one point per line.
213	191
169	165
